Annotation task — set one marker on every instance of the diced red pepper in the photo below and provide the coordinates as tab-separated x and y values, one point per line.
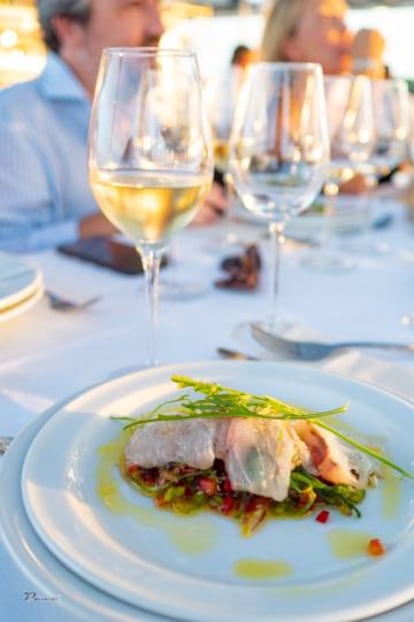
228	504
251	505
207	485
323	516
149	478
255	502
375	547
227	486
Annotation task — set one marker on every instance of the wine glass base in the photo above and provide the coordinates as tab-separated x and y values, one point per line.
368	248
328	262
181	290
407	319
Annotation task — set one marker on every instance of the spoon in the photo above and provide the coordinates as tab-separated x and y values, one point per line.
234	355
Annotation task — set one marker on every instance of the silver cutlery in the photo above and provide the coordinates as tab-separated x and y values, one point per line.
235	356
313	350
4	443
59	303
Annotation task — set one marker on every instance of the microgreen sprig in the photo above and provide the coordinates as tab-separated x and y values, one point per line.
223	402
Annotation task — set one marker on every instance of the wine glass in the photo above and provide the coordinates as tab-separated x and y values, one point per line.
221	98
392	106
150	156
352	134
280	149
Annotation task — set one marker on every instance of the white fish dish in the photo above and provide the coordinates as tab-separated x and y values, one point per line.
248	457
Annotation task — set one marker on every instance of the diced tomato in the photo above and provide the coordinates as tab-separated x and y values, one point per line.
228	504
375	547
207	485
323	516
132	469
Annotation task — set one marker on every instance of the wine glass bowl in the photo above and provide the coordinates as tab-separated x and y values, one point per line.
149	153
392	106
350	124
279	147
350	116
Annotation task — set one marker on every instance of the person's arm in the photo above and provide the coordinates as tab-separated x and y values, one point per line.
213	206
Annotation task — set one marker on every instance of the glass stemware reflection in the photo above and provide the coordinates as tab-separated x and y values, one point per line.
221	99
150	157
280	149
392	127
352	135
351	125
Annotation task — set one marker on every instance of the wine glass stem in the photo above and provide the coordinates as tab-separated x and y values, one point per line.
331	194
151	261
277	238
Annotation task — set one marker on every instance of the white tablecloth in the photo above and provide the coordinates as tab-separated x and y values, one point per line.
46	355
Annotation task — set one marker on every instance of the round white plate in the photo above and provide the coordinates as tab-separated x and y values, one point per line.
18	281
143	560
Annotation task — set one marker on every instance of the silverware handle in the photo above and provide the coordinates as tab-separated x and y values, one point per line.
4	443
383	345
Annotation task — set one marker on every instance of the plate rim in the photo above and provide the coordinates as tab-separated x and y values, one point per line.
22	293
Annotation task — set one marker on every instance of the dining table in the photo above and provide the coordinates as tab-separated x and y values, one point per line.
47	355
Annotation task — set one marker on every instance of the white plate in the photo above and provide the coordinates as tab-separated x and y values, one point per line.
20	286
140	562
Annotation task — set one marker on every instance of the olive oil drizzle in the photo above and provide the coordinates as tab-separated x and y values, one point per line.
260	569
193	538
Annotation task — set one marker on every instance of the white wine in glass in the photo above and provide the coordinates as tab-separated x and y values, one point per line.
150	157
280	149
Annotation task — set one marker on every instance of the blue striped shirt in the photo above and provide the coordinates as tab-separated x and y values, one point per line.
44	189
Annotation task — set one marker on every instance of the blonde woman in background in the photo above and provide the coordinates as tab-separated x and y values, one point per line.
316	31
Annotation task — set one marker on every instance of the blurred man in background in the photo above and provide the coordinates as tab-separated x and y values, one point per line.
45	195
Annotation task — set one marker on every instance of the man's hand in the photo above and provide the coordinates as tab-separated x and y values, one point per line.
95	225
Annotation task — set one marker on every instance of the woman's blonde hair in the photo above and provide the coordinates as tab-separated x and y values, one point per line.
281	23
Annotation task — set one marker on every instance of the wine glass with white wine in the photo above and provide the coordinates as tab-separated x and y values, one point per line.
280	150
150	156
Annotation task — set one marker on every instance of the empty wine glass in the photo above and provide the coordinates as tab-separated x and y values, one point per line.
390	148
392	125
280	149
150	158
351	131
221	98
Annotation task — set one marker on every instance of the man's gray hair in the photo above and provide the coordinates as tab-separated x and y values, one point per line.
78	10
